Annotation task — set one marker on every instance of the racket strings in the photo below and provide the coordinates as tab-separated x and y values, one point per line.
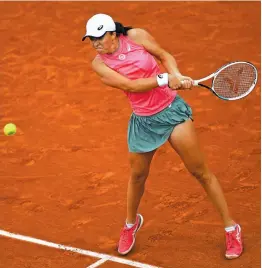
235	80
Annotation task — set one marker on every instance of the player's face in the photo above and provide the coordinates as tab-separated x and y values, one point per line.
103	44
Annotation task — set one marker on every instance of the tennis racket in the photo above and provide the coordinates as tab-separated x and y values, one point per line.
232	81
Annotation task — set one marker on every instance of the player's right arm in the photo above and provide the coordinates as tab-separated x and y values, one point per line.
116	80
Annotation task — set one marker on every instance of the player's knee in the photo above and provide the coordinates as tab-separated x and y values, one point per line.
139	176
201	173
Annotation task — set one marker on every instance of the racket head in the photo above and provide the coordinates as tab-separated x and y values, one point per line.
235	80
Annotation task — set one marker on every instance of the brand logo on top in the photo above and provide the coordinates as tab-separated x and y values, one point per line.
122	57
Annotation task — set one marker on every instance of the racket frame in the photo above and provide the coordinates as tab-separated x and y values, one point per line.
213	75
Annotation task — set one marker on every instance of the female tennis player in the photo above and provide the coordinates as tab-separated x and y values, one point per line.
125	60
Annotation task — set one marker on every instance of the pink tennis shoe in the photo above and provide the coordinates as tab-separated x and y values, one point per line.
128	236
234	245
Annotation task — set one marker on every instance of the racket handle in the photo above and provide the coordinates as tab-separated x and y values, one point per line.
195	83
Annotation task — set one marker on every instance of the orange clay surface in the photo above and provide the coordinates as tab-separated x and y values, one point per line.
63	176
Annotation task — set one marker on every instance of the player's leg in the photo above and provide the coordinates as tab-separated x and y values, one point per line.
184	140
140	165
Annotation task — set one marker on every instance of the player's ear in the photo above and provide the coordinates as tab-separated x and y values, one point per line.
113	35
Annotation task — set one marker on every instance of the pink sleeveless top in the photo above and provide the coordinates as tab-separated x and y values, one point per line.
134	62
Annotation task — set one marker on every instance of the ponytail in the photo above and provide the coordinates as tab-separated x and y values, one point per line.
120	29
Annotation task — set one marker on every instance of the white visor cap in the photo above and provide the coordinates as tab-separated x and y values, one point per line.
98	25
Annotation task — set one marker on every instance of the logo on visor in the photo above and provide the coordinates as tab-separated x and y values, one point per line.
160	76
100	27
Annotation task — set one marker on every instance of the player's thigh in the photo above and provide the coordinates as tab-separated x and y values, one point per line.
185	142
140	163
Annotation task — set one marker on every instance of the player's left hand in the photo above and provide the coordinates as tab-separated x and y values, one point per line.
186	81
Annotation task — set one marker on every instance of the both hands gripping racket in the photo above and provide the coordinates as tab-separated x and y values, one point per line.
232	81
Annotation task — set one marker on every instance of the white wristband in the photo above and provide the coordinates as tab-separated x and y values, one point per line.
162	79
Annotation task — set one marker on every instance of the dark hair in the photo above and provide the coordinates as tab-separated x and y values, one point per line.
120	29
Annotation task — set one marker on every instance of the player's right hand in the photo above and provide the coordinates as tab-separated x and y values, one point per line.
174	82
179	81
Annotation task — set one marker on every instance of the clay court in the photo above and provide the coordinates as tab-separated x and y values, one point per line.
63	176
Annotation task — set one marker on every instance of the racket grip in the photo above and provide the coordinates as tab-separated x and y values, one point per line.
195	83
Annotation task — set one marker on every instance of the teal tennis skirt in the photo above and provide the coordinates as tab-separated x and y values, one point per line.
147	133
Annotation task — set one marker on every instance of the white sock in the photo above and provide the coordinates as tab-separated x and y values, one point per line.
129	225
230	228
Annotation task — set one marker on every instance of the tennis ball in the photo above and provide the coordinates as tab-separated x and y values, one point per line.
10	129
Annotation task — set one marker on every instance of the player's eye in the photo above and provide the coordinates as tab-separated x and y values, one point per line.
93	38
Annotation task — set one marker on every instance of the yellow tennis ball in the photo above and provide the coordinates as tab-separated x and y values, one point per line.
10	129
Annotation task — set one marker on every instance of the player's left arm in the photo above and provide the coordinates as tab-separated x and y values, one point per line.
145	39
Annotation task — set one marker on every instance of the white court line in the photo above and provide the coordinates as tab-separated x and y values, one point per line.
96	264
76	250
